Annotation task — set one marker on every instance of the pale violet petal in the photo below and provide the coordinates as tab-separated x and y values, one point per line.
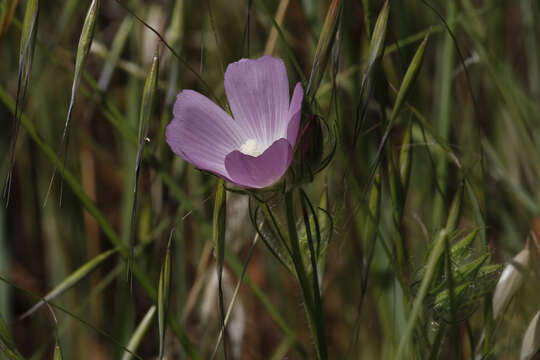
202	133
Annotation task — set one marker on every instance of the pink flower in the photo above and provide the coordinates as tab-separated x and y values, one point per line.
254	149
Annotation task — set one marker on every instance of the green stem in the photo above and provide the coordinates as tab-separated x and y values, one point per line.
315	320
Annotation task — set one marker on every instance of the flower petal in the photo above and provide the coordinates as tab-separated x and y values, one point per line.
258	93
295	114
202	133
261	171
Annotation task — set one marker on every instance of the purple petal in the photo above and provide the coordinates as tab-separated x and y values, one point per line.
202	133
295	114
261	171
258	93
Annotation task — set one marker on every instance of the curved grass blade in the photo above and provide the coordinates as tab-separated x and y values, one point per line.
149	93
7	344
71	280
164	287
139	333
85	41
26	55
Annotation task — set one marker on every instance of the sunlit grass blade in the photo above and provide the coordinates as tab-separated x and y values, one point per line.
149	94
7	344
164	288
71	280
139	333
26	55
83	48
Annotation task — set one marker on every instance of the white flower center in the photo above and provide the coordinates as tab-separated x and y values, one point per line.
251	147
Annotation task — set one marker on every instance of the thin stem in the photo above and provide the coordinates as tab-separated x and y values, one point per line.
315	322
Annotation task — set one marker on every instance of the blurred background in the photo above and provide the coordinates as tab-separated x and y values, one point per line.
469	127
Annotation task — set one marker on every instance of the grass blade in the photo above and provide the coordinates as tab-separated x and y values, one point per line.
324	48
149	93
219	222
85	41
71	280
139	333
7	344
431	269
163	297
26	55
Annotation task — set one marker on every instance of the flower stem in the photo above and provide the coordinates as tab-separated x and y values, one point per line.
311	297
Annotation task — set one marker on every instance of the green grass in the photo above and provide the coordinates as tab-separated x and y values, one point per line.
387	240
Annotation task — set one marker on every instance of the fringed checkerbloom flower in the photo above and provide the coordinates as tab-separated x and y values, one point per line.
252	149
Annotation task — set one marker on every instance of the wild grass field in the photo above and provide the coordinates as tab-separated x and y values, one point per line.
398	217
